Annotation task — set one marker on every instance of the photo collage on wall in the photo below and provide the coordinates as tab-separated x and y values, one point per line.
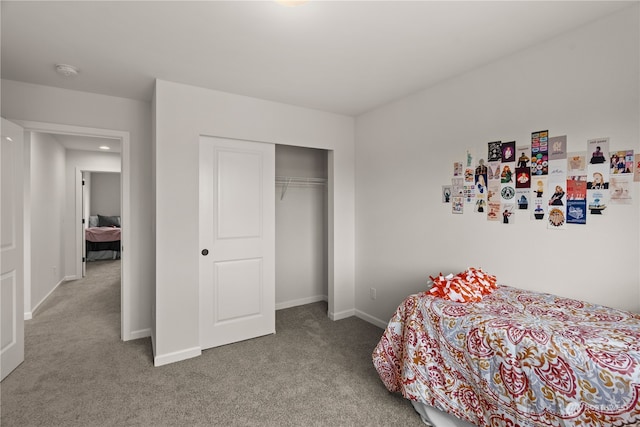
542	180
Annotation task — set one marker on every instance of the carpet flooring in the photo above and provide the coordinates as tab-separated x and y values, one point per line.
77	372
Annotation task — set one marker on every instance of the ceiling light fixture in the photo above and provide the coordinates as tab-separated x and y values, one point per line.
8	138
67	70
104	147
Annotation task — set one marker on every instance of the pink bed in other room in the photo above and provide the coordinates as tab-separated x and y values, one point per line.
515	358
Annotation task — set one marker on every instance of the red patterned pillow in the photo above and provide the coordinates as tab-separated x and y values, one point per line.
468	286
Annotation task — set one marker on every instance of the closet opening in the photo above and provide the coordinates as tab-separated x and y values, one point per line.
301	211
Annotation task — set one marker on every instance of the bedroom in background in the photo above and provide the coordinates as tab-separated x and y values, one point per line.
301	226
53	207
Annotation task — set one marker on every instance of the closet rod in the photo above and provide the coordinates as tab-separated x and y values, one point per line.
297	181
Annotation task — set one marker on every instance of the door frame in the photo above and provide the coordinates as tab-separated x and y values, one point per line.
125	198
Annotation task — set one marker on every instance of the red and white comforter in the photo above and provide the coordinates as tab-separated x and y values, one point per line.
516	358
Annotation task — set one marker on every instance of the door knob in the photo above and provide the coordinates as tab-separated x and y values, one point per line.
205	252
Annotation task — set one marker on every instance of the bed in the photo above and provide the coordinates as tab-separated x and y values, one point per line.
102	238
514	358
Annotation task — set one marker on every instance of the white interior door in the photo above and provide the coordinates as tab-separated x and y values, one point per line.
85	177
11	249
237	240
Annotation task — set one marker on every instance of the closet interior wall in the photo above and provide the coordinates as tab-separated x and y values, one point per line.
301	226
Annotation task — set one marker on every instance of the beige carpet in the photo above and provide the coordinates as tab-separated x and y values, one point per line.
77	372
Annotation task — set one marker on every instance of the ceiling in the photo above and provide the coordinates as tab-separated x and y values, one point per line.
345	57
88	143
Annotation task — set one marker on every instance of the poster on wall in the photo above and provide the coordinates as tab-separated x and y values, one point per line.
457	205
636	168
576	162
494	151
446	194
457	187
621	162
577	199
480	204
507	213
457	168
493	211
620	189
539	152
599	149
469	193
508	150
538	194
557	218
522	198
558	147
523	159
523	177
480	177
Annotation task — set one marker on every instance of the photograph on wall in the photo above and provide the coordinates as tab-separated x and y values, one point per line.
494	152
446	194
557	218
576	211
522	198
558	147
621	162
620	190
599	151
539	152
480	204
597	201
493	172
457	168
507	213
457	205
523	177
481	177
636	169
508	152
576	162
493	211
598	177
523	158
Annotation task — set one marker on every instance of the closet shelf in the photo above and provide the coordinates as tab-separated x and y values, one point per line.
297	181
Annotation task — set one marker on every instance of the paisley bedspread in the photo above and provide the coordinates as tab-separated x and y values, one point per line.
516	358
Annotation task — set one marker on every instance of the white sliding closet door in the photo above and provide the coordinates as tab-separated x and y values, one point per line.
237	240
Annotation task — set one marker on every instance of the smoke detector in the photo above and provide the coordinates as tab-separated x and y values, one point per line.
67	70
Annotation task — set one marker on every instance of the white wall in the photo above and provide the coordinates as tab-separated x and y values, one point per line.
105	194
584	85
301	228
47	164
28	102
182	114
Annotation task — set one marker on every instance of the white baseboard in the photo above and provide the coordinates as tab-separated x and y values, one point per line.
34	309
373	320
302	301
176	356
141	333
69	278
341	314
